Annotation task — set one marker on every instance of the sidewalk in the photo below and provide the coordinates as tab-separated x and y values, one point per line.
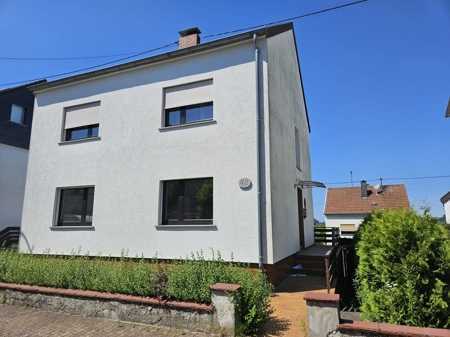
17	321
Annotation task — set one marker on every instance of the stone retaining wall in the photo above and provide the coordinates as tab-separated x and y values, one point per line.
218	317
324	321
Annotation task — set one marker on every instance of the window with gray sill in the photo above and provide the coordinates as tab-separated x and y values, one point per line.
188	103
189	114
187	202
75	206
81	122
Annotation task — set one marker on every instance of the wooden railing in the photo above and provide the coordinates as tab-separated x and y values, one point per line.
348	234
333	266
326	235
9	236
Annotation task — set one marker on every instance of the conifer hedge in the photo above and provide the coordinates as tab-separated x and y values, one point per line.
404	269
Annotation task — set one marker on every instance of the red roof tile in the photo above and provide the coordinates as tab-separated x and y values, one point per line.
348	200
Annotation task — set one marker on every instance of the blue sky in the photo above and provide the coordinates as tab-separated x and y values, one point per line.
376	75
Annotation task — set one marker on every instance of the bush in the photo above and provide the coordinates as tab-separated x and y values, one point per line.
190	281
404	269
187	280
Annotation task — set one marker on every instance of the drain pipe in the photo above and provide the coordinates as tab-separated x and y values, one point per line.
258	152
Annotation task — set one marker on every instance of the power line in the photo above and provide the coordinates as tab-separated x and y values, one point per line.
293	18
175	43
91	67
392	179
69	58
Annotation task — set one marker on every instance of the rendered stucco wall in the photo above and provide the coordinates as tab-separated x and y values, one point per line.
447	211
335	220
287	111
13	170
133	157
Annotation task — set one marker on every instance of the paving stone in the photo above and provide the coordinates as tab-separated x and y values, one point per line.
18	321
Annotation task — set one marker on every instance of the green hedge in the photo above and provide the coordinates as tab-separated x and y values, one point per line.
404	269
187	280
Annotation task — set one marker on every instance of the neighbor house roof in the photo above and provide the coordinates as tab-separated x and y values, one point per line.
27	85
348	200
446	197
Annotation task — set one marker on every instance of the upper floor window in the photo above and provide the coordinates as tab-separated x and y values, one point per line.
188	103
189	114
81	121
17	114
82	132
298	153
76	206
188	201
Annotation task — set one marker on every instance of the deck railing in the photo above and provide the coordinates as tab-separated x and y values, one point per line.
326	235
9	237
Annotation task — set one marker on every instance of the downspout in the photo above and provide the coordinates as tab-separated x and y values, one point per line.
258	159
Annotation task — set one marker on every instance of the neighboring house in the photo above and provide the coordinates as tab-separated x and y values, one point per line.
446	203
196	149
346	207
16	115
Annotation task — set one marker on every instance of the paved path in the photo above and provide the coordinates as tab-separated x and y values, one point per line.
289	308
17	321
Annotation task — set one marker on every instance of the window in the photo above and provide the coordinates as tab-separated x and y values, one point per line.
75	206
17	114
305	214
189	114
188	103
188	201
82	132
348	227
298	158
81	121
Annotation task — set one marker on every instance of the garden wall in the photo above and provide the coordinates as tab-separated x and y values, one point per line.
217	317
324	320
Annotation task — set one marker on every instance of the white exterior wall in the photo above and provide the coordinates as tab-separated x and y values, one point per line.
133	157
335	220
447	211
13	171
287	110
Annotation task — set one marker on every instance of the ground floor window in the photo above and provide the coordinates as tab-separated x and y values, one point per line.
188	201
76	206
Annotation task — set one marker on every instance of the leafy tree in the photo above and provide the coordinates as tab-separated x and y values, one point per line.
404	269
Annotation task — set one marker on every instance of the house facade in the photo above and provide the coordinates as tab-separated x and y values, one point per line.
445	200
16	116
346	207
198	149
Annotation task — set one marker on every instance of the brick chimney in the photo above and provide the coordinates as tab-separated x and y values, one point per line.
364	190
189	38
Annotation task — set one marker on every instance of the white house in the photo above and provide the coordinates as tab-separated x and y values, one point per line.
346	207
196	149
446	203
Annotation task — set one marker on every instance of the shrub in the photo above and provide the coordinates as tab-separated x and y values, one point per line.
186	280
190	279
404	269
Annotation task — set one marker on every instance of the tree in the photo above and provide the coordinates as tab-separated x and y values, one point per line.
404	269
